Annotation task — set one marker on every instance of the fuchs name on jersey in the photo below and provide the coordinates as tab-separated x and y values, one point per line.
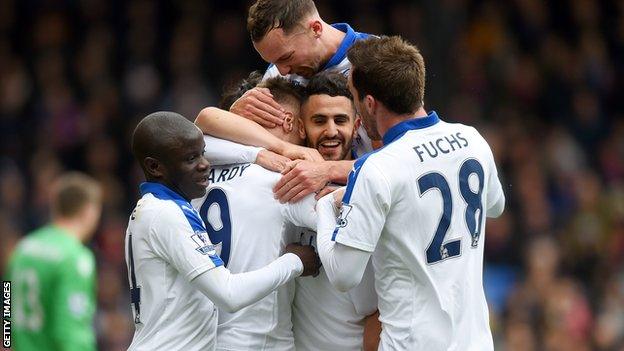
229	173
443	145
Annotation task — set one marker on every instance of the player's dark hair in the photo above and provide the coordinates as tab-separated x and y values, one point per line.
391	70
235	91
283	89
265	15
72	192
327	83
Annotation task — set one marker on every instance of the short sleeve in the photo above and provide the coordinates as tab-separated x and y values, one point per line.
74	303
225	152
190	252
301	213
365	204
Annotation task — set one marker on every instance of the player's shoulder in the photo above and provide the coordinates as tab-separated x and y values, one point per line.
154	212
465	128
372	165
80	260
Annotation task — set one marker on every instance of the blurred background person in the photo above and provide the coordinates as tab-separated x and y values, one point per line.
53	273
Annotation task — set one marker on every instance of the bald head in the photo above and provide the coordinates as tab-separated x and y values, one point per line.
170	150
159	133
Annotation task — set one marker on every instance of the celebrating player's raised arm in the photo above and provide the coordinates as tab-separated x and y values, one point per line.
227	125
231	292
302	178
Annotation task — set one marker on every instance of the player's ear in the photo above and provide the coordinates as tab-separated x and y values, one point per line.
154	167
301	128
317	28
287	125
370	104
356	125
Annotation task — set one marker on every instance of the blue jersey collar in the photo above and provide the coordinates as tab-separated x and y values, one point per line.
160	191
414	123
350	37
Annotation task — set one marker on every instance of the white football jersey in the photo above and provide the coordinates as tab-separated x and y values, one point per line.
166	248
419	205
327	319
250	229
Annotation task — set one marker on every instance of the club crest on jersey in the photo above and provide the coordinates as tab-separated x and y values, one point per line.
203	244
341	221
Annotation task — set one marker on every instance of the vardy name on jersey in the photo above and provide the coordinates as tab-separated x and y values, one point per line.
443	145
229	173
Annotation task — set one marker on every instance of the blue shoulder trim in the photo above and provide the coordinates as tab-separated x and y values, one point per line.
350	38
398	130
162	192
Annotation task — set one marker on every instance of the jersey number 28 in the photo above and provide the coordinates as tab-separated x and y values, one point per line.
439	250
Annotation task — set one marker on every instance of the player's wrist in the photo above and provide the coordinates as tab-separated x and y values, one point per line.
278	146
335	171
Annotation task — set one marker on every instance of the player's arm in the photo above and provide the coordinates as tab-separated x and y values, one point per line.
302	213
343	264
73	304
302	178
224	152
365	299
495	196
227	125
190	252
372	331
346	244
231	292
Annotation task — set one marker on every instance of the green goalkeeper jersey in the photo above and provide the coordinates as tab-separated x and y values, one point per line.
53	291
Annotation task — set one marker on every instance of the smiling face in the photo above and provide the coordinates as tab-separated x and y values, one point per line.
330	124
297	52
185	169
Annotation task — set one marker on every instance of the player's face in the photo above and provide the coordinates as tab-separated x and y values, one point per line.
296	52
330	124
368	120
187	168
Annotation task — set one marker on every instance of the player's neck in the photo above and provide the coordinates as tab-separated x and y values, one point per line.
71	226
331	40
388	119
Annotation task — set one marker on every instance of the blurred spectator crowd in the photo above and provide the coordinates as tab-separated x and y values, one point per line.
542	80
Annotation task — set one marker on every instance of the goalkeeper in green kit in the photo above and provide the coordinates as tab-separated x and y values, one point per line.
53	274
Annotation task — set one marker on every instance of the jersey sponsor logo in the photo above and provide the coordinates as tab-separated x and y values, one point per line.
204	246
341	221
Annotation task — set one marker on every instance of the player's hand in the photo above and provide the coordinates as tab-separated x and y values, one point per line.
272	161
326	190
258	105
307	255
300	179
296	152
